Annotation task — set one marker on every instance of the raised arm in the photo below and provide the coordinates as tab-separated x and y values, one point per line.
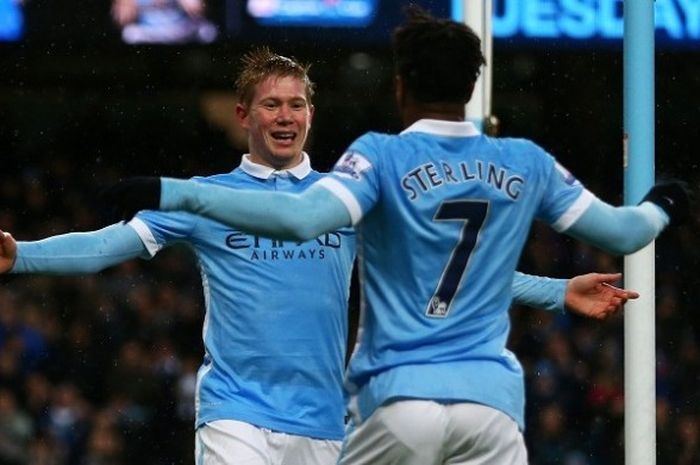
73	253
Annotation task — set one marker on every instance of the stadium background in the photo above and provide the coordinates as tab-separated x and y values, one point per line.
100	369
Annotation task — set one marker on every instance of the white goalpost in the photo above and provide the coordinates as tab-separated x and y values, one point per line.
639	268
477	14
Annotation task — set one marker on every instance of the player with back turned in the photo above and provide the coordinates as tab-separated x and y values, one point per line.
270	386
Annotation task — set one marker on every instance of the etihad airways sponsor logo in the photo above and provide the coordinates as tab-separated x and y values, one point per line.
262	248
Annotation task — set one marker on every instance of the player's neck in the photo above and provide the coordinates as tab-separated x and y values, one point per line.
278	164
440	111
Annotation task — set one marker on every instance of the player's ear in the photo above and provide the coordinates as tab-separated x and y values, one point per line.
312	109
242	113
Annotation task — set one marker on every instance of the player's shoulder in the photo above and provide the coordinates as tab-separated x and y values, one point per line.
373	145
521	149
374	138
516	144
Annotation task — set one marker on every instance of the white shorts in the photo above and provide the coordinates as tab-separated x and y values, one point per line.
230	442
423	432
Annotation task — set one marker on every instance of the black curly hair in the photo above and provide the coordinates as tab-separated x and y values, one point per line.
439	60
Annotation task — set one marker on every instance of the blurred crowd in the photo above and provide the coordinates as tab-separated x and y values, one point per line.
94	369
101	370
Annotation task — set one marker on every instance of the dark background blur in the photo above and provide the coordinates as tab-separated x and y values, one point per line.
100	369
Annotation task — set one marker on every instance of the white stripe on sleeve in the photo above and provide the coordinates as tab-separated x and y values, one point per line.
146	235
574	212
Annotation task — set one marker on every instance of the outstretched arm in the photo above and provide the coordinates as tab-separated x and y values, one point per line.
591	295
278	215
8	251
539	291
619	230
73	253
623	230
297	217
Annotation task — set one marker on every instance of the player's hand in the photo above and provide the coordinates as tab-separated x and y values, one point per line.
674	197
124	11
8	251
132	195
592	295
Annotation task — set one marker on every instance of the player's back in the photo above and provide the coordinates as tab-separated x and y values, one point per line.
446	214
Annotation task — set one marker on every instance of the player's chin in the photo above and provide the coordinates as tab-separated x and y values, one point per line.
287	151
288	155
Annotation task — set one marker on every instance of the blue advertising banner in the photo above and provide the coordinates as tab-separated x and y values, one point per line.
518	21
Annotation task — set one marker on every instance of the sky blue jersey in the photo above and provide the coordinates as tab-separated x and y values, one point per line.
275	328
442	214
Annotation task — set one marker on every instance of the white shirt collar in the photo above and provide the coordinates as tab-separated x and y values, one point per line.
259	171
444	128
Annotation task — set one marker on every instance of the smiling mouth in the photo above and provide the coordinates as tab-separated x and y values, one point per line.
284	136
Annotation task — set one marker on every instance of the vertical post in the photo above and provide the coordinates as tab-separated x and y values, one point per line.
478	14
638	161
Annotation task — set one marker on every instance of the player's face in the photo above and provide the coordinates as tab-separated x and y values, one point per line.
278	121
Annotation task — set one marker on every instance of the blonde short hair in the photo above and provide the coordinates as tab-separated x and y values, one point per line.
261	63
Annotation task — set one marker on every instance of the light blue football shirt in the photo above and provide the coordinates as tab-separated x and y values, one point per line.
275	328
442	214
